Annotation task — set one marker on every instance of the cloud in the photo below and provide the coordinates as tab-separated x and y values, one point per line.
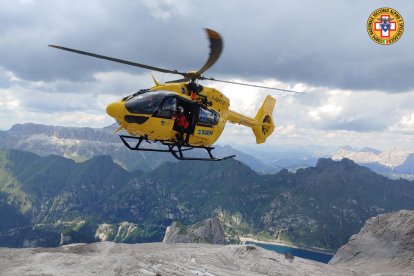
292	42
327	110
345	109
166	9
404	125
354	89
331	116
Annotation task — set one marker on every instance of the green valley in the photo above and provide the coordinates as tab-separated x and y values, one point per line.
44	200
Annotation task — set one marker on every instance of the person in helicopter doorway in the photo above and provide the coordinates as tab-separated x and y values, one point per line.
181	125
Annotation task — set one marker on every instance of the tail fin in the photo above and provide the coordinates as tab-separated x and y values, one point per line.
262	125
264	120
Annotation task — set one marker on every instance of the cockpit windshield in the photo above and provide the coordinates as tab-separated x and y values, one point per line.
145	103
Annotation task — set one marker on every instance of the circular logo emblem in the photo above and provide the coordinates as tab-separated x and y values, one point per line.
385	26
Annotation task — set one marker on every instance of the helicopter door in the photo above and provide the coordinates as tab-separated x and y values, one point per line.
192	117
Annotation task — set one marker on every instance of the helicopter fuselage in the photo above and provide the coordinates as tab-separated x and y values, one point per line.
149	113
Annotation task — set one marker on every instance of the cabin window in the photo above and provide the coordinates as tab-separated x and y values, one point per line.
208	117
146	103
168	108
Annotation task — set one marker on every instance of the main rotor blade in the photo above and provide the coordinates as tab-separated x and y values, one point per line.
118	60
216	46
252	85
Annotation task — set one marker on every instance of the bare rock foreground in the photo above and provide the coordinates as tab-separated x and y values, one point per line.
108	258
384	246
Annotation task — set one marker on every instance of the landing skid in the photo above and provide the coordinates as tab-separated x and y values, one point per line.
176	149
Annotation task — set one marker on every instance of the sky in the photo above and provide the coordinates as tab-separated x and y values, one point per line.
355	92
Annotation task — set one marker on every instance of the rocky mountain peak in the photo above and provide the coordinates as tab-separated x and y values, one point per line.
229	168
385	242
101	160
63	133
407	167
328	163
28	128
206	231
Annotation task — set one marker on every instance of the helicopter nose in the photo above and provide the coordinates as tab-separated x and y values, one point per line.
115	110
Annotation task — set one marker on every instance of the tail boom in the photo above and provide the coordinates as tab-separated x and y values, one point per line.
262	124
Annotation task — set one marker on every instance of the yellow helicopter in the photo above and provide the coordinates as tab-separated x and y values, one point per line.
183	115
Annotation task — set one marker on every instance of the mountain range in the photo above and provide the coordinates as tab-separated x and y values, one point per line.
81	144
42	198
394	163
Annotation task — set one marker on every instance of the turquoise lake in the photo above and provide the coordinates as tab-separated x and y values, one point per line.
297	252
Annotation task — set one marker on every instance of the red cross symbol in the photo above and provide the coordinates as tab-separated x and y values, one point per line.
377	27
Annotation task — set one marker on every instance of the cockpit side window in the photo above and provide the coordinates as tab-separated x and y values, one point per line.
146	103
208	117
167	108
